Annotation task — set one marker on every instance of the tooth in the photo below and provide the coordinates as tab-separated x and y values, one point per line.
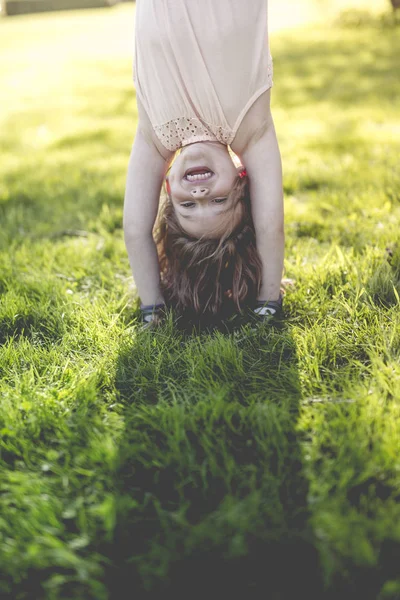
199	176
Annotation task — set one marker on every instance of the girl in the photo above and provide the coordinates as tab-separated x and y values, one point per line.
203	78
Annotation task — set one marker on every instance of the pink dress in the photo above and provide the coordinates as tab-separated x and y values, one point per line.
200	65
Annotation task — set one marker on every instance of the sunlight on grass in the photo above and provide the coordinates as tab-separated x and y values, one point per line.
282	16
141	461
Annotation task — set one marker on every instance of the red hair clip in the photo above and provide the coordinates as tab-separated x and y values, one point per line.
243	174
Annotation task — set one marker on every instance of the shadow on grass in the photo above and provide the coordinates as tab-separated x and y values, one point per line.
31	310
37	204
211	495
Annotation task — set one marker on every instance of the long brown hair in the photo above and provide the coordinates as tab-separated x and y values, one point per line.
204	278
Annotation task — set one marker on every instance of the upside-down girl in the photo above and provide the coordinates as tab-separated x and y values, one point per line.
203	77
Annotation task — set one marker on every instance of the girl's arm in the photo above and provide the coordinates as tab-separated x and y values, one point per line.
146	171
262	160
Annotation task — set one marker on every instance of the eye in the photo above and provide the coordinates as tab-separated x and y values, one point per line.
190	204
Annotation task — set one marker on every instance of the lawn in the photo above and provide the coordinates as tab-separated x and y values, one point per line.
258	462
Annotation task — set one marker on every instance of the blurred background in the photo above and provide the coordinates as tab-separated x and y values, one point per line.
21	7
299	9
69	115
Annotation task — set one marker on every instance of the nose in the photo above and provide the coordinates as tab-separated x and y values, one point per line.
199	192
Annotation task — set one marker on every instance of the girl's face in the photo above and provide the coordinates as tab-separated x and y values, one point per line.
199	182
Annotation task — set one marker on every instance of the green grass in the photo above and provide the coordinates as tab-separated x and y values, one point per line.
260	462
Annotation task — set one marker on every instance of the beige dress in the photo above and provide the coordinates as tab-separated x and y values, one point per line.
200	65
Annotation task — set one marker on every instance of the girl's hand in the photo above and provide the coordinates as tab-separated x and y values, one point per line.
266	309
152	315
263	163
145	176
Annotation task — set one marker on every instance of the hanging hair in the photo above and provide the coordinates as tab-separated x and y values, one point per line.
207	279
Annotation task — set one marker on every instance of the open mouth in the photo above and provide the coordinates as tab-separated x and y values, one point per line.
198	174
